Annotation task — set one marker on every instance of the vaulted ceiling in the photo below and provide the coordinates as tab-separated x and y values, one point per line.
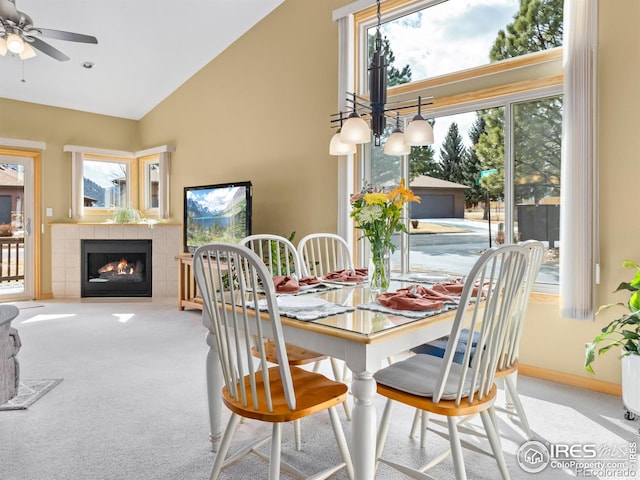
146	49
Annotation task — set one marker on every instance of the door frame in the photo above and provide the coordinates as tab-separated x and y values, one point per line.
32	252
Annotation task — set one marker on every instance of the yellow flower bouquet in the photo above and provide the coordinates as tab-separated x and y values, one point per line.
378	215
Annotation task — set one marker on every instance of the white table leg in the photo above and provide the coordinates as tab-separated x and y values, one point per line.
363	447
214	392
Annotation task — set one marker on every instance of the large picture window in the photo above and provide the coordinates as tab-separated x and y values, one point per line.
493	173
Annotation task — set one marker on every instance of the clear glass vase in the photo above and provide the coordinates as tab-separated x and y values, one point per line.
379	269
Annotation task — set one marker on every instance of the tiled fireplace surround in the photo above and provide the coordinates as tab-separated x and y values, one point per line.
65	254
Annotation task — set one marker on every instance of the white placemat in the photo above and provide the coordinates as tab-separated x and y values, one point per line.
415	314
306	308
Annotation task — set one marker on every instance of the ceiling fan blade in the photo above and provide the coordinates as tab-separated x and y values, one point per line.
68	36
9	11
48	49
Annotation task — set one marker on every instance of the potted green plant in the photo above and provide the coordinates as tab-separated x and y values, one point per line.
623	333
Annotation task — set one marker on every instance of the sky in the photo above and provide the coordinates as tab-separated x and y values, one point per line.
448	37
215	199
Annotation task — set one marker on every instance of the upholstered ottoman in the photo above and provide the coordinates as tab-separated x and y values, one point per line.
9	347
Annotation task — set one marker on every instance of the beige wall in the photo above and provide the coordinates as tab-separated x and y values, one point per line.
260	112
58	127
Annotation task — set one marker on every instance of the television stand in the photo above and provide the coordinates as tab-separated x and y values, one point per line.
187	288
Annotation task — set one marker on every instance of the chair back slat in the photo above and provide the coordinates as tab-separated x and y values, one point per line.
487	305
511	348
230	278
277	253
321	253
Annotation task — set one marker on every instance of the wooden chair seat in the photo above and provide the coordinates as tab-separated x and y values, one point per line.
314	393
507	370
297	355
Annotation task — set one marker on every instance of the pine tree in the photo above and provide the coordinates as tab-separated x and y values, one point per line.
537	26
451	154
471	166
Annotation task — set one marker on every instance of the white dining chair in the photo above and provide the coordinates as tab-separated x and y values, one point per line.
230	277
456	390
322	253
508	366
278	253
281	258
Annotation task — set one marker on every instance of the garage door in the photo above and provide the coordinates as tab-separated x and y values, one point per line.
434	206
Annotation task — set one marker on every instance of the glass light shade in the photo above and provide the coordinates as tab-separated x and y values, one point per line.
3	46
355	130
28	52
15	43
337	147
418	133
395	144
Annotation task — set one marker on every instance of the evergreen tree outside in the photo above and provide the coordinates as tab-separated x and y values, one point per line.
422	162
452	152
537	26
470	167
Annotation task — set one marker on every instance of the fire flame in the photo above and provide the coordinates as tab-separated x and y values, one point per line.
121	268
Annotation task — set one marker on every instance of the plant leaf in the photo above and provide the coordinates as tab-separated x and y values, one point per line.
630	264
589	356
634	302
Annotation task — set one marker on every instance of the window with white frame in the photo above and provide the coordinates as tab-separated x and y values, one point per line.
493	173
106	183
106	180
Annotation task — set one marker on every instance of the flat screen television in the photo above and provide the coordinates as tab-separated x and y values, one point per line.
216	213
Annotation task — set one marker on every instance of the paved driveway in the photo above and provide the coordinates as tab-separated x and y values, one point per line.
455	253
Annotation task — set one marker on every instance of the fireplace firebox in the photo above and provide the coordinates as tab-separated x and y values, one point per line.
115	268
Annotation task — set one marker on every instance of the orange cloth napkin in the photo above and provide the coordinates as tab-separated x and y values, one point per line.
449	288
415	297
455	288
287	284
359	275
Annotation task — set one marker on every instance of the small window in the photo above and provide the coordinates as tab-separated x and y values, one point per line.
150	184
106	183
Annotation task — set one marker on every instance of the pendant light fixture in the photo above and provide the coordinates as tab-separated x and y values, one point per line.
395	144
356	130
337	146
419	132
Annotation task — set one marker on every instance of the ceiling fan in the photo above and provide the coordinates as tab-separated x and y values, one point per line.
19	36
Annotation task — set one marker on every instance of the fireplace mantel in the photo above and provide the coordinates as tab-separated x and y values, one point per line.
65	250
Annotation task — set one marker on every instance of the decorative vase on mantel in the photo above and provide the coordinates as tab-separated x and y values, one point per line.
379	269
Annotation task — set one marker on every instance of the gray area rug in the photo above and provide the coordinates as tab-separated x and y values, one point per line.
29	391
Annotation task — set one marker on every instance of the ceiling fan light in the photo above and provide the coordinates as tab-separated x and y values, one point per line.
28	52
355	130
14	43
418	133
3	46
337	147
395	144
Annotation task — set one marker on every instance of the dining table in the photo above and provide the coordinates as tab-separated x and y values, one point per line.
361	334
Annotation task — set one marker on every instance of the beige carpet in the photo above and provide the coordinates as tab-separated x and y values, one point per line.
133	406
29	391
